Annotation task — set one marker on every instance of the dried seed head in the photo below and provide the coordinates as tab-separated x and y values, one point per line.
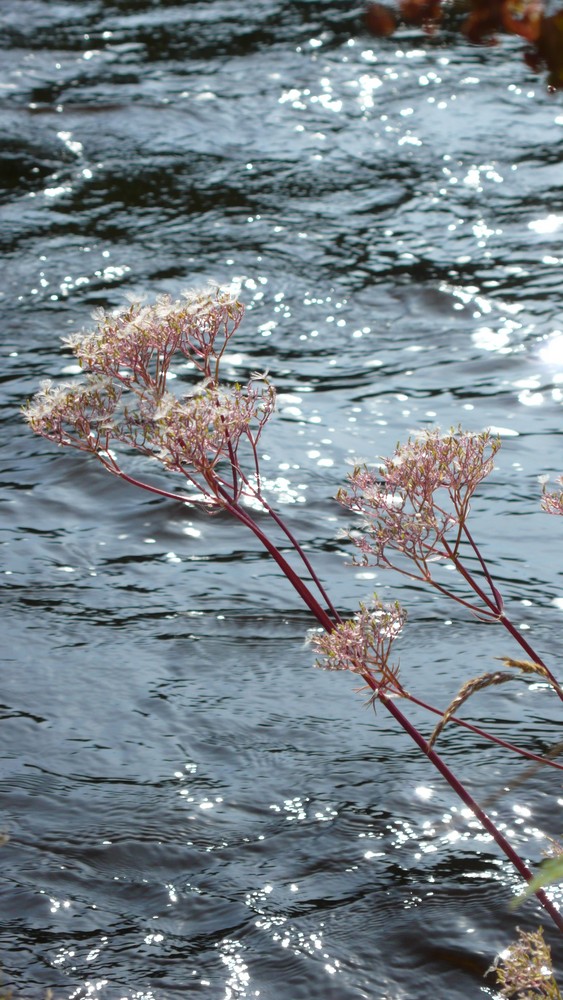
138	343
125	396
79	414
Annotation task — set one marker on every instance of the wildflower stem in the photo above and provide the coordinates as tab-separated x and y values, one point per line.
465	797
511	628
492	615
496	605
302	589
116	470
495	592
491	604
303	556
484	734
234	467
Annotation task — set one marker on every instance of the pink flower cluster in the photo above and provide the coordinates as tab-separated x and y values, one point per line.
137	345
363	643
525	969
552	502
79	415
125	397
419	498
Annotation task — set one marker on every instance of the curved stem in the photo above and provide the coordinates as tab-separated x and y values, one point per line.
432	582
115	470
511	628
494	591
492	605
257	493
482	613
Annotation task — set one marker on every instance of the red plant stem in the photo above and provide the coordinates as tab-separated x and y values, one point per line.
178	497
303	555
302	589
503	618
465	797
492	605
483	733
287	532
496	606
497	596
328	624
511	627
411	730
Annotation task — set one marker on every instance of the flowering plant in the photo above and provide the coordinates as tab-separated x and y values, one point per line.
412	508
525	969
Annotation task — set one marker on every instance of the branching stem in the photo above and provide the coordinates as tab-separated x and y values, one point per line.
468	799
199	436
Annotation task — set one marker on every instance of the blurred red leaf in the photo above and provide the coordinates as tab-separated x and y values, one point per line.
484	21
380	20
523	19
425	12
550	48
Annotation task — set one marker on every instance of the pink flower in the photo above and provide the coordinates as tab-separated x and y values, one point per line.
124	399
419	497
137	344
78	415
552	503
363	643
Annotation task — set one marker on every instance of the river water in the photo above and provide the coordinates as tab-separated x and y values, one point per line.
191	808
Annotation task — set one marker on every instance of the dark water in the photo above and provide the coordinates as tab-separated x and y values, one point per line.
191	808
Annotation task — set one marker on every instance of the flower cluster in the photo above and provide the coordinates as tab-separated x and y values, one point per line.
413	505
124	398
137	344
419	496
78	415
363	643
208	426
552	502
526	970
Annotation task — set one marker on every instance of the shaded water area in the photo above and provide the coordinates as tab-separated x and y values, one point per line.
191	808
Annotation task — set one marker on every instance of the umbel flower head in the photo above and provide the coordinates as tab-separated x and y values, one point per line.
363	643
124	398
75	414
552	501
419	498
525	969
137	344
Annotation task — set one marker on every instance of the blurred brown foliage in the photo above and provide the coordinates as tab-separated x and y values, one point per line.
481	21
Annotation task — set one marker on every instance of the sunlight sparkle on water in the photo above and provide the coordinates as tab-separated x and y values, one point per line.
549	224
491	340
424	793
551	353
239	977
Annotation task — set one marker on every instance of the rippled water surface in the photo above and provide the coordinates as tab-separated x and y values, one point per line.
191	809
